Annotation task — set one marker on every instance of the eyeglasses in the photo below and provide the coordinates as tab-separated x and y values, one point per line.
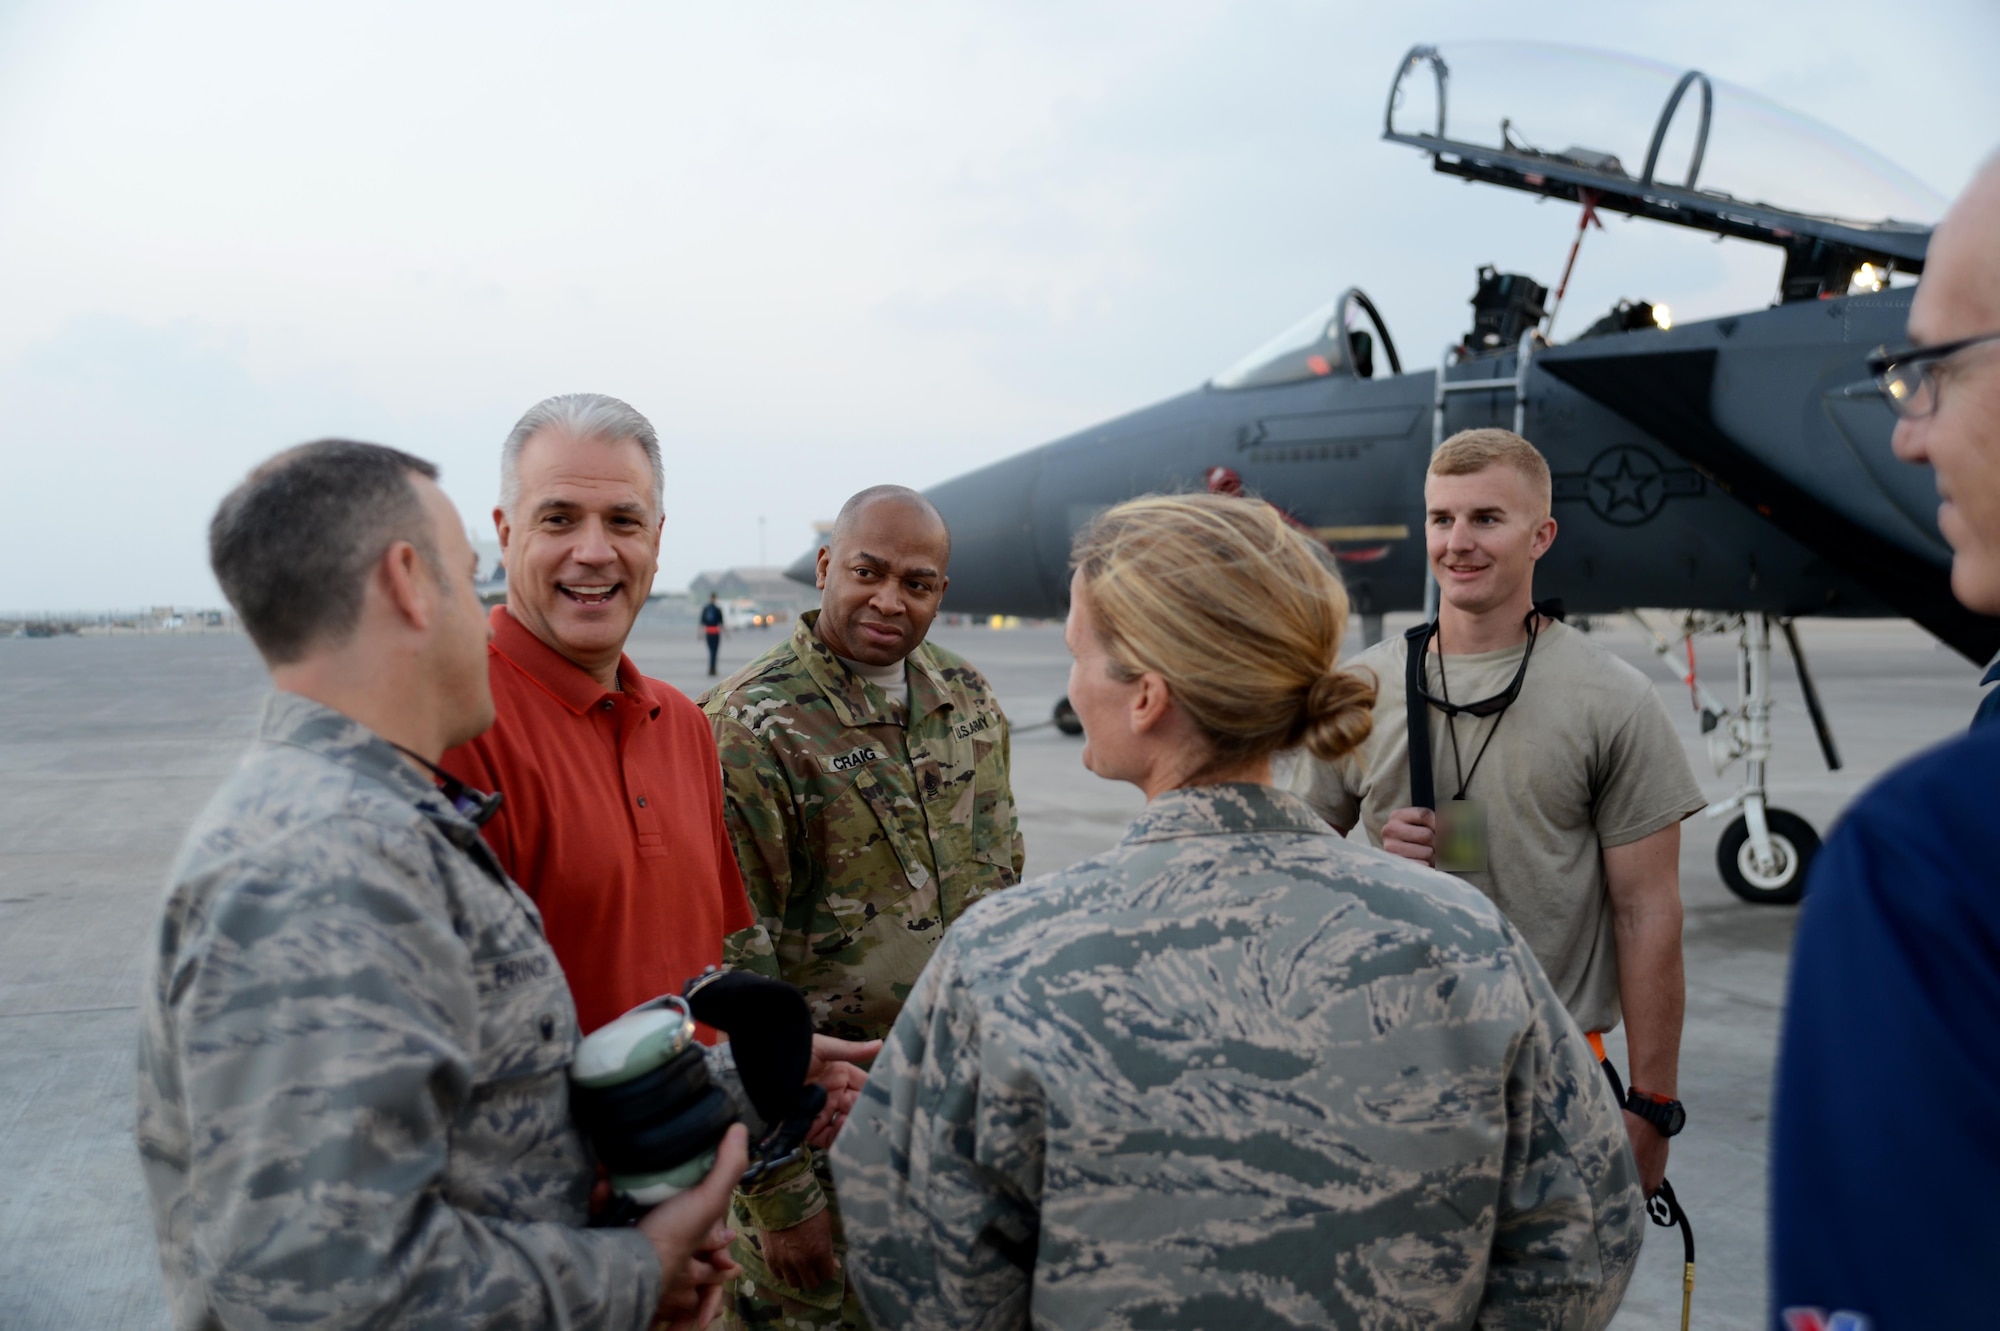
1908	379
1500	701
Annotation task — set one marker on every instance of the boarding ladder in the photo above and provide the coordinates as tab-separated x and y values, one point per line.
1515	383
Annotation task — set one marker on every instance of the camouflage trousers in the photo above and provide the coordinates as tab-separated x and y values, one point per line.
751	1307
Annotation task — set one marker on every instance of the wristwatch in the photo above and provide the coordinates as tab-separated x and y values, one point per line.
1668	1117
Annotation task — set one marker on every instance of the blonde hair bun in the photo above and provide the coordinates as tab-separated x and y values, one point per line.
1238	611
1339	713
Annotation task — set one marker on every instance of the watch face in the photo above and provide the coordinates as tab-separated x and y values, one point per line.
1676	1118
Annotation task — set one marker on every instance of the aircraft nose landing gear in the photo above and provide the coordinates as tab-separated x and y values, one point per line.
1066	718
1778	880
1764	853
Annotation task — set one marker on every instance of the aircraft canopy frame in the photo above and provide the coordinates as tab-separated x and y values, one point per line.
1329	342
1822	251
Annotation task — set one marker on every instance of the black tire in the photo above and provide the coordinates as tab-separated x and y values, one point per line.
1067	720
1794	840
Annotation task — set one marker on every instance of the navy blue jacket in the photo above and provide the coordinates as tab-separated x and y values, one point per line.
1989	706
1885	1152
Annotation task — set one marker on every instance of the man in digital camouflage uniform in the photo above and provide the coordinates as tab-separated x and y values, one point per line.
865	779
1237	1072
353	1096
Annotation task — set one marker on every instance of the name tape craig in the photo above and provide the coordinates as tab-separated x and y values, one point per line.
869	753
853	758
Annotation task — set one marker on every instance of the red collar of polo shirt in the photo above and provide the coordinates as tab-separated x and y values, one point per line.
561	678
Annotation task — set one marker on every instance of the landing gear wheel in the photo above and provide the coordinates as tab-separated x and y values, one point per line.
1793	842
1067	720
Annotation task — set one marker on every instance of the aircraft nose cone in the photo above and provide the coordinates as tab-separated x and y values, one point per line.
805	568
995	564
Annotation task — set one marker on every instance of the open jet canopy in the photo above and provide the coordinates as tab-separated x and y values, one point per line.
1636	137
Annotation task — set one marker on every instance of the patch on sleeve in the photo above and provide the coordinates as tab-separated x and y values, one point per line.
983	724
853	758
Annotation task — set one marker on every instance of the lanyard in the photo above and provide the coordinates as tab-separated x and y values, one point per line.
1451	728
1505	700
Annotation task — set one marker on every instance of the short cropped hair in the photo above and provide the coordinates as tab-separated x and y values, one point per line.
1238	612
294	544
1471	451
580	416
843	522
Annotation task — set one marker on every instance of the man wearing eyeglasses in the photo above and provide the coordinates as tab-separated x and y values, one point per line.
1885	1153
1559	783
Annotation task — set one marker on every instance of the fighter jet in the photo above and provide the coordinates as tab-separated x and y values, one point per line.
1737	466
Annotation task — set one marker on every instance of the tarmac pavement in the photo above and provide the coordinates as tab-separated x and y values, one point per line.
109	746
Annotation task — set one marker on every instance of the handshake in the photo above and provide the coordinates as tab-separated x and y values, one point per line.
671	1121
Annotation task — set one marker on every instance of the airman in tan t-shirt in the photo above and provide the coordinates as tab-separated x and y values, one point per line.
1575	781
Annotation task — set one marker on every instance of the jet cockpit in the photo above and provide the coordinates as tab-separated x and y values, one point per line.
1329	341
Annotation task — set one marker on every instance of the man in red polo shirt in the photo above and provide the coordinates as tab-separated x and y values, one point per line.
612	818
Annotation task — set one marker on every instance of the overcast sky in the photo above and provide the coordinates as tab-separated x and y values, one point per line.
821	246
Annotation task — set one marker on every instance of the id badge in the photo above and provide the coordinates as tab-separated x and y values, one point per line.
1461	836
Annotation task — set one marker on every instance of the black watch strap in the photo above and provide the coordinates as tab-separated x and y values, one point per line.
1666	1116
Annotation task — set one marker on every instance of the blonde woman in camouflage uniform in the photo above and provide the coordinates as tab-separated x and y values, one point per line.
1236	1071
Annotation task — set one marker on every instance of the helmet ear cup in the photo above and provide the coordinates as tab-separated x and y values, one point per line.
627	1122
662	1092
640	1090
656	1147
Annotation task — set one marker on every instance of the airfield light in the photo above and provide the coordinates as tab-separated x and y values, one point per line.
1663	316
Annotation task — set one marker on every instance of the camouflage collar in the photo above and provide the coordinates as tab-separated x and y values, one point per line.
1224	810
849	695
302	723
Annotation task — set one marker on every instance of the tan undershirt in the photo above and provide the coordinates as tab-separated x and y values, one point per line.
893	680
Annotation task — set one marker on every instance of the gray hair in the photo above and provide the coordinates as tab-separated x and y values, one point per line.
581	416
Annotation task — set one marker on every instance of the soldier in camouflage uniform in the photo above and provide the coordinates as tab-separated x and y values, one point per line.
865	781
1235	1072
353	1101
